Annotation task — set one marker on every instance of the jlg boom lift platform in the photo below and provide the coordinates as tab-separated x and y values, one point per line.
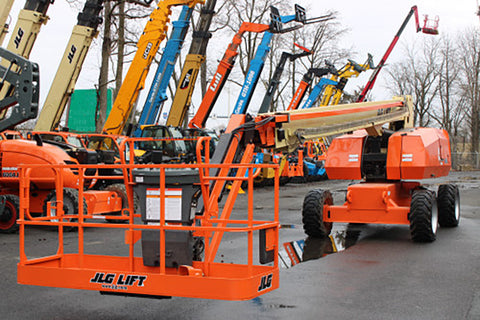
172	263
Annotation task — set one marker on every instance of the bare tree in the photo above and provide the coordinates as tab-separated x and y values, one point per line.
102	91
469	46
120	45
234	13
121	30
323	40
418	76
450	112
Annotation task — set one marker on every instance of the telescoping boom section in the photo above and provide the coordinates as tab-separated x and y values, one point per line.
223	71
158	91
428	28
4	13
148	44
191	67
30	19
70	66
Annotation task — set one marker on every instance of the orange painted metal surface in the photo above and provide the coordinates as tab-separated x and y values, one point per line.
385	203
298	96
115	274
344	156
418	153
221	75
207	278
99	202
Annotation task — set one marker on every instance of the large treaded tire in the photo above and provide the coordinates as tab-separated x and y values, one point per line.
8	219
423	216
70	204
448	200
312	213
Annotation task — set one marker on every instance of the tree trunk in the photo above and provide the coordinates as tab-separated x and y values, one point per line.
203	78
101	112
121	46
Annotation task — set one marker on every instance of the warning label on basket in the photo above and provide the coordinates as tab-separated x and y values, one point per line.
173	204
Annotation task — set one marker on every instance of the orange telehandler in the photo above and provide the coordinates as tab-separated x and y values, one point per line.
180	247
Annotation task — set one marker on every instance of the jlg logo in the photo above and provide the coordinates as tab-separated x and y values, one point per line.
147	50
265	283
186	80
18	37
216	81
71	54
121	280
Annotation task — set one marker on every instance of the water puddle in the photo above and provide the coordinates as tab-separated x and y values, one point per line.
342	236
289	226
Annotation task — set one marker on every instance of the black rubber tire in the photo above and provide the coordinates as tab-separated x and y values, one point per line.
306	176
8	220
283	180
448	200
423	216
70	204
259	182
312	213
121	190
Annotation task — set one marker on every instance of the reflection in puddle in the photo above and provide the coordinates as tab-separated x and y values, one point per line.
288	226
342	236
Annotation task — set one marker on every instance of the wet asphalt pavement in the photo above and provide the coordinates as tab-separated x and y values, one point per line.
381	274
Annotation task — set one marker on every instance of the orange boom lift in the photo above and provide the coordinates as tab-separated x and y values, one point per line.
179	249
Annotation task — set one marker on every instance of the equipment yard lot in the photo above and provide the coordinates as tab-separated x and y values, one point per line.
383	276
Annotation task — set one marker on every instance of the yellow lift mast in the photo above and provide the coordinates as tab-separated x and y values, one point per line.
4	13
30	19
68	71
193	62
333	93
148	44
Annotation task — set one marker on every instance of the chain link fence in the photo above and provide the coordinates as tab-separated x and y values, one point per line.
464	161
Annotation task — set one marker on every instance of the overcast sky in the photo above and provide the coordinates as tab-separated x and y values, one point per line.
372	26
